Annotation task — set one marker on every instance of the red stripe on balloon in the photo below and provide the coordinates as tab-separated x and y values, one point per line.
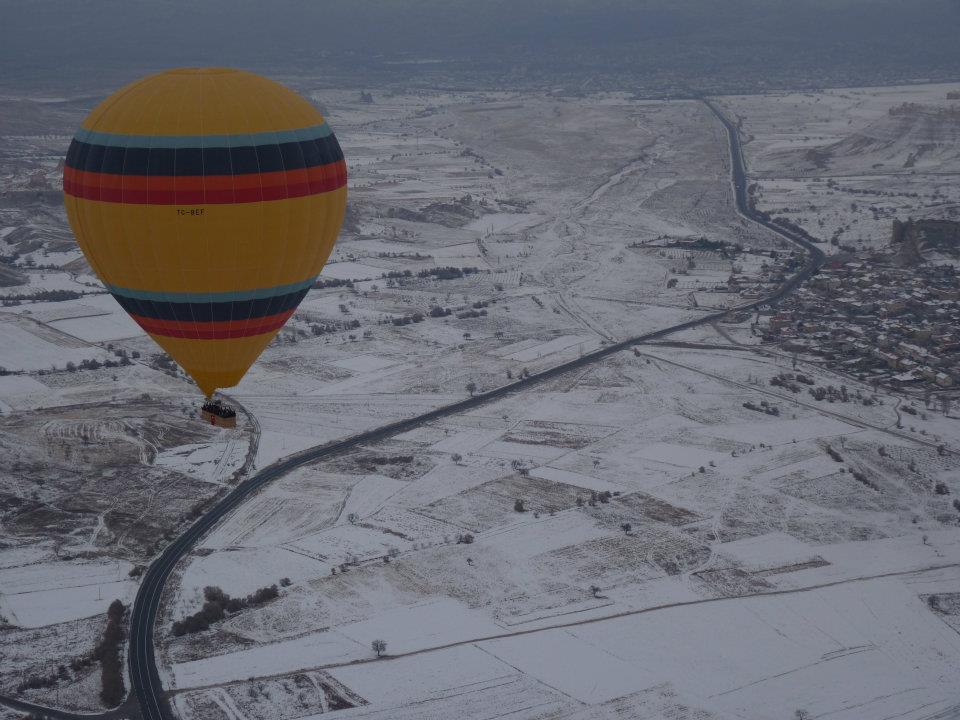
202	190
222	330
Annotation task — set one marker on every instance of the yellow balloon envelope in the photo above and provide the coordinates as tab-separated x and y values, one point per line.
207	200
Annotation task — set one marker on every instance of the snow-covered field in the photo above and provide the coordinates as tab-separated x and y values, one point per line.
33	595
724	509
31	346
625	541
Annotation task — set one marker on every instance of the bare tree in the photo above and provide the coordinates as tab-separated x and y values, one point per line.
379	647
520	467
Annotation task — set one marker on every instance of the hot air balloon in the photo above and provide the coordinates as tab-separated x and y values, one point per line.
207	200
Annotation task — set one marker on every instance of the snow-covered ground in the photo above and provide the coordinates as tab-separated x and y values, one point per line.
675	554
32	595
756	573
845	163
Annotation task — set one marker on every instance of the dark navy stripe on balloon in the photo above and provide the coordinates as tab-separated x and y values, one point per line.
210	311
203	161
271	137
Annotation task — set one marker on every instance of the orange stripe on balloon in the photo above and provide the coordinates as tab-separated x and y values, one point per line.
222	330
199	189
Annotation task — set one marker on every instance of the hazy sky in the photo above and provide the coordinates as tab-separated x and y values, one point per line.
47	38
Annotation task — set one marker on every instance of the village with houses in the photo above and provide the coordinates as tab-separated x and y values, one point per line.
877	320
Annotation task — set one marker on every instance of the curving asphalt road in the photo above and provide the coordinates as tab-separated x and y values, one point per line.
738	173
142	661
143	668
144	675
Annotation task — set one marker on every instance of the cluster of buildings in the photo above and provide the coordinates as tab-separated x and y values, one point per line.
877	322
771	274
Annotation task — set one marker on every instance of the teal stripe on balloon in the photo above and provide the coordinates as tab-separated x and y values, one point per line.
213	297
93	137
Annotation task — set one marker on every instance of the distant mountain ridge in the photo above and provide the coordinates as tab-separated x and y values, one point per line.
910	136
